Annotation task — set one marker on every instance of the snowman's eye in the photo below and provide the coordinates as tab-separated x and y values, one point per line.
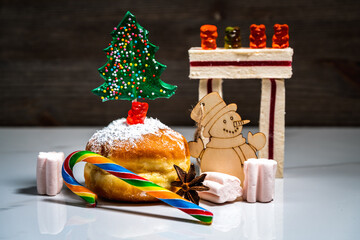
224	121
231	118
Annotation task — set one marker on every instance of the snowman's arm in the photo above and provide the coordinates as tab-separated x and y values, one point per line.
256	141
196	148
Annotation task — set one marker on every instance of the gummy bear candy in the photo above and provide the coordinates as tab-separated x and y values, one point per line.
257	36
208	35
281	36
137	113
232	37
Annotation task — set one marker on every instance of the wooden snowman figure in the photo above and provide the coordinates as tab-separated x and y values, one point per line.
219	143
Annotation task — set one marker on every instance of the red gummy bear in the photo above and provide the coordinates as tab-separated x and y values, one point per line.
257	36
137	113
281	36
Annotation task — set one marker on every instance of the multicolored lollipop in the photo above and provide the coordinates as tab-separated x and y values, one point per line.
131	178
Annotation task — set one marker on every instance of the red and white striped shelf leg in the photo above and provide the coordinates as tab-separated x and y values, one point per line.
207	86
272	121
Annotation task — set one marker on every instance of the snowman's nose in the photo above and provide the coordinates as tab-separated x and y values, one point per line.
240	123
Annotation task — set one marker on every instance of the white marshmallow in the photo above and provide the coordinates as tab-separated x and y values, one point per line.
259	183
223	187
52	176
211	197
41	173
48	173
215	187
61	158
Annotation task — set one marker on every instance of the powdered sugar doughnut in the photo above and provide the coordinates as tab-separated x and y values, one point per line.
149	150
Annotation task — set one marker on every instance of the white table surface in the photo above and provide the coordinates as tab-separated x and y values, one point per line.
319	197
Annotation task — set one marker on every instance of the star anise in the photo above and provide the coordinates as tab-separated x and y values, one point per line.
189	184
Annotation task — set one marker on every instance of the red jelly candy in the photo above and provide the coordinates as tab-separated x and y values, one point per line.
281	36
257	36
208	35
137	113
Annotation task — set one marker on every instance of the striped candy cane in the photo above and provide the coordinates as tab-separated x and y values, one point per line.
131	178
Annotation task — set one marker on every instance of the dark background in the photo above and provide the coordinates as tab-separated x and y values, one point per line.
50	52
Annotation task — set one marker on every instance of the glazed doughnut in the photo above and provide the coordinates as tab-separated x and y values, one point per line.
149	150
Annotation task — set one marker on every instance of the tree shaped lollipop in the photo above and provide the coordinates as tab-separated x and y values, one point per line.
131	71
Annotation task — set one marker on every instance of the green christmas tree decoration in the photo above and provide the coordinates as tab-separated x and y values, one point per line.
131	71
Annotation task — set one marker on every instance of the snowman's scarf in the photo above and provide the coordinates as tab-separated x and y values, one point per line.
226	142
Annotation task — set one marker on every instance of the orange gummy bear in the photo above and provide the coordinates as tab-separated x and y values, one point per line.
208	35
281	36
257	36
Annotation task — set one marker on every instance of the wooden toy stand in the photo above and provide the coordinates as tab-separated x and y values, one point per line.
270	65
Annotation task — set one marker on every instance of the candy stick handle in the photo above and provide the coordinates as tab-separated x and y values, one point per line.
131	178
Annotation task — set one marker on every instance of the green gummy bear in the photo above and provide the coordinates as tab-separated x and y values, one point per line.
232	38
